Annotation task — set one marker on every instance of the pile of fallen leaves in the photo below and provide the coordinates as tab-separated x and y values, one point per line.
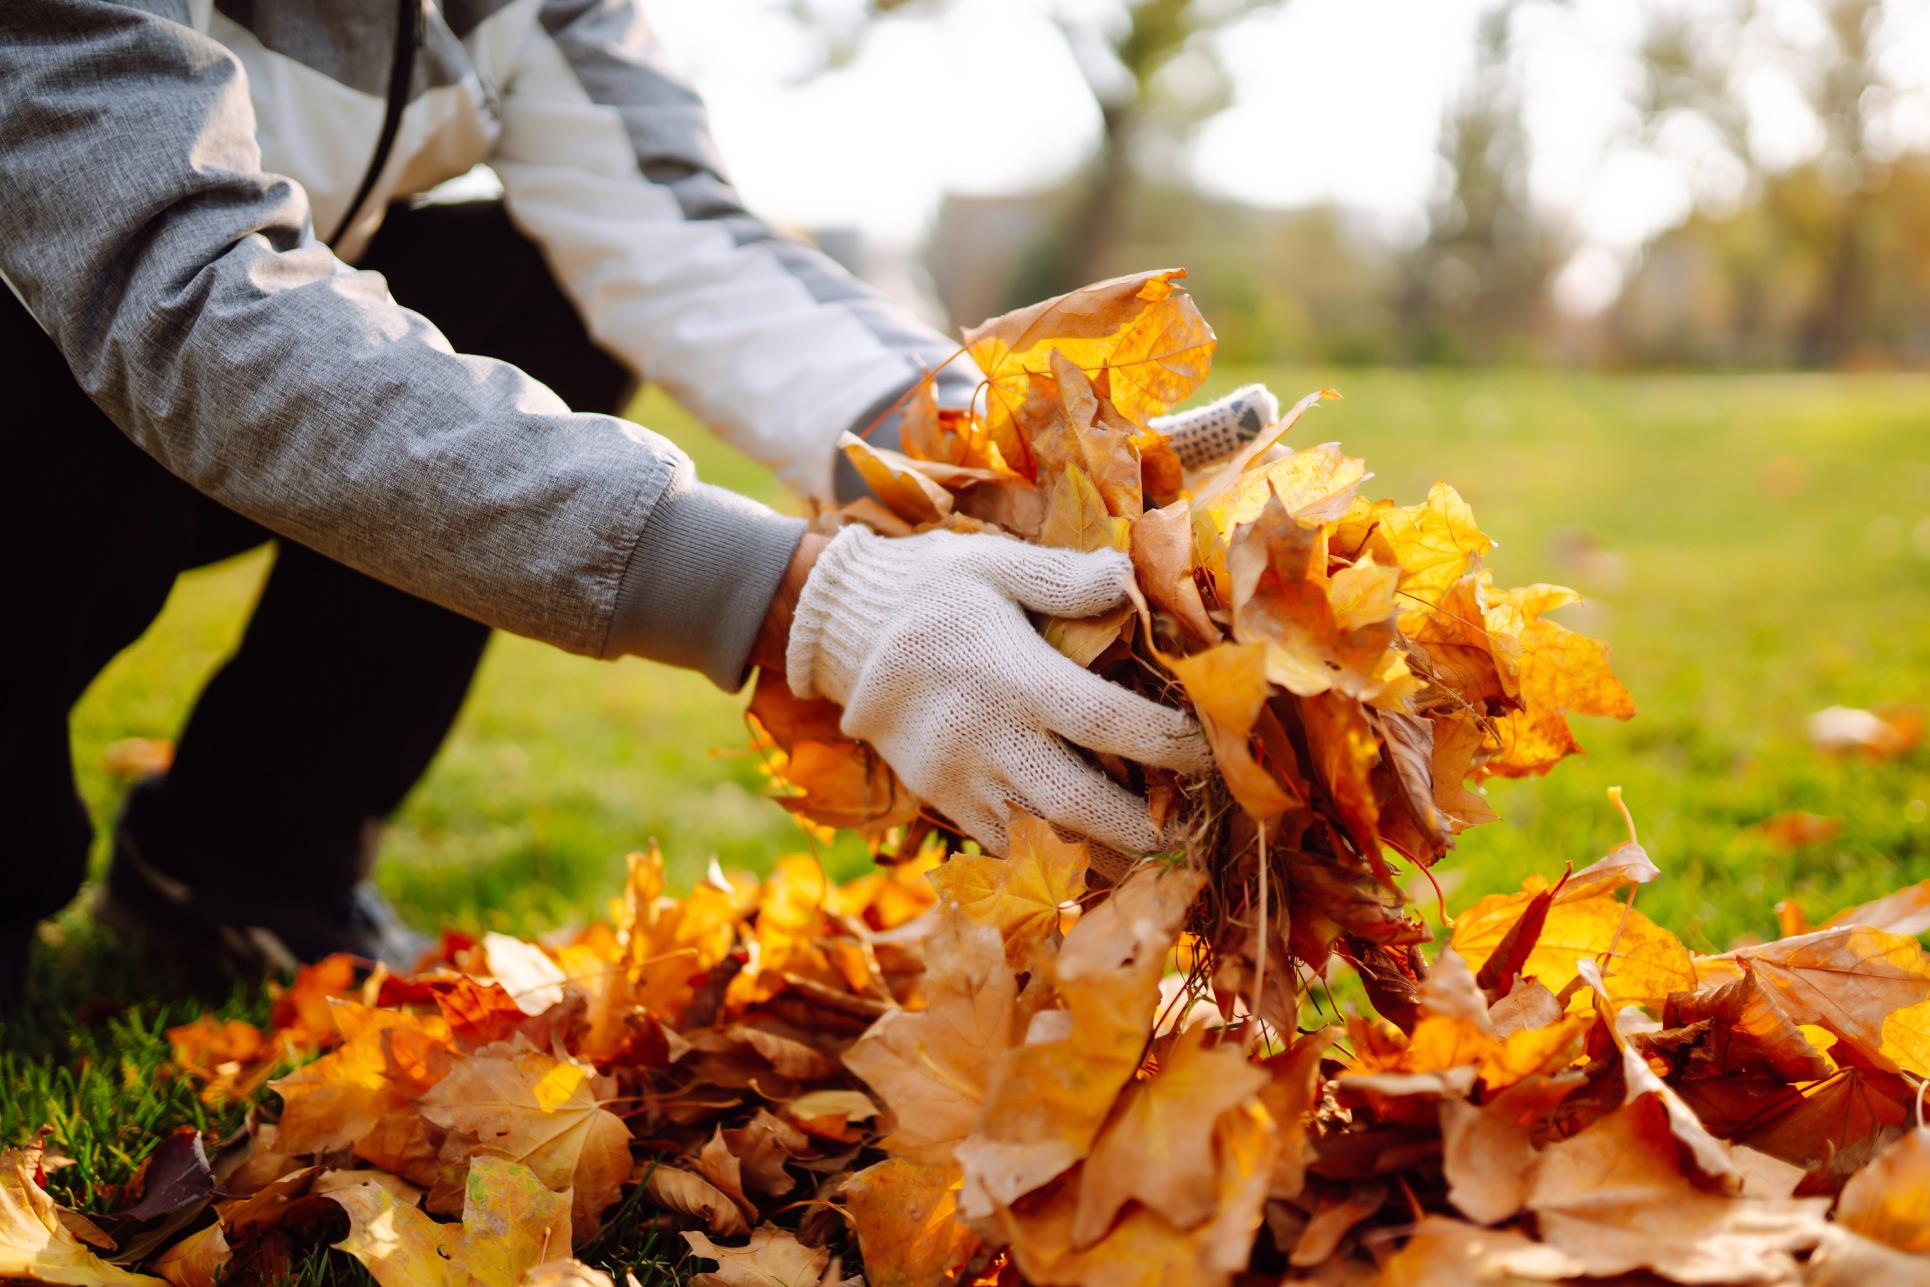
1067	1065
983	1070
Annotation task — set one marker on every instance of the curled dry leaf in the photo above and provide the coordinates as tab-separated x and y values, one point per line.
772	1258
35	1245
198	1260
690	1194
1888	1201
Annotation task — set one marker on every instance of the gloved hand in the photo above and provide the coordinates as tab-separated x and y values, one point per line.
1218	429
925	643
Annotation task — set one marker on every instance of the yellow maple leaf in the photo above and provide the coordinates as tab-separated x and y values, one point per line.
1141	331
514	1100
1019	895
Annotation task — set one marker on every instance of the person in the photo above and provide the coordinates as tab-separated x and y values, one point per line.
230	323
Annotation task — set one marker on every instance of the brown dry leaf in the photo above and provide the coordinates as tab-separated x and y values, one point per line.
1469	645
897	482
198	1260
1144	1249
1864	985
1143	332
1320	635
303	1015
772	1258
1448	1253
35	1245
1289	1096
1315	483
1740	1028
1845	1260
524	1104
1712	1159
1228	687
231	1059
1334	1217
1343	750
1527	1007
1907	911
1829	1128
1460	742
1488	1152
1158	1147
845	785
525	971
1019	895
716	1163
1411	822
1094	436
1048	1098
1162	552
906	1219
931	1066
510	1224
397	1244
687	1193
1888	1201
568	1273
765	1146
1613	1199
387	1060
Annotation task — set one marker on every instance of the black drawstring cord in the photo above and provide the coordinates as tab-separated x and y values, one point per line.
408	38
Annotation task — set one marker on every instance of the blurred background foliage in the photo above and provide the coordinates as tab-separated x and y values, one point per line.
1798	128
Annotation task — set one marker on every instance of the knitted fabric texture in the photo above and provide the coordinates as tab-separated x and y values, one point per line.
1218	429
925	642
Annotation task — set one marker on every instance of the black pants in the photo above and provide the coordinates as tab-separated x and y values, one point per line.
342	688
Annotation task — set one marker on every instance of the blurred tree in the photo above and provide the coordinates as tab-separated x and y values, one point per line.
1817	219
1477	285
1154	72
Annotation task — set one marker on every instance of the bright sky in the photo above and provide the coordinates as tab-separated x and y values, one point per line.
1336	100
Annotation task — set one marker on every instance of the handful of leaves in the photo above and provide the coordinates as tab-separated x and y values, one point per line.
1352	662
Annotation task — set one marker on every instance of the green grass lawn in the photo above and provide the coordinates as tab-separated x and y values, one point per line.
1754	547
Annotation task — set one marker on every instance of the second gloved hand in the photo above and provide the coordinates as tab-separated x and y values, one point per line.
925	643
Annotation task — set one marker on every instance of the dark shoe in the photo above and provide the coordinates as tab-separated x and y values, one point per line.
16	949
257	927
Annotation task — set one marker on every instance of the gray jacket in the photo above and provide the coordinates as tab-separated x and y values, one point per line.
165	169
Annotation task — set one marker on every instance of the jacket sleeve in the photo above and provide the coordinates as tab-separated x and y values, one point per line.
607	161
188	296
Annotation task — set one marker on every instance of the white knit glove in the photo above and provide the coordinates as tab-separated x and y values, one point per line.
925	643
1218	429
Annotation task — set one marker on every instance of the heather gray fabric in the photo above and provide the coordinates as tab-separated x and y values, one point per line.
185	290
